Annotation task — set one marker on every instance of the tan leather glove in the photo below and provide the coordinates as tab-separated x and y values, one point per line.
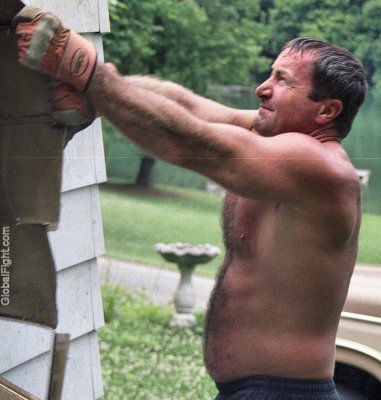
70	107
46	46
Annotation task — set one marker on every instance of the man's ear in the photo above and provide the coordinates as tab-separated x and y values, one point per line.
329	110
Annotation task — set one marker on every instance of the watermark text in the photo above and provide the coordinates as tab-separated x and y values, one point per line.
5	266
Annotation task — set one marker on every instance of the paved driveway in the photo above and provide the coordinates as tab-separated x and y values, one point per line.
159	284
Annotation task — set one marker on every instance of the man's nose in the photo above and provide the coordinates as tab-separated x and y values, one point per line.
264	89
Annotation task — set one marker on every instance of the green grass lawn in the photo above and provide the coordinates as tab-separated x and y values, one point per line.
370	240
143	358
134	221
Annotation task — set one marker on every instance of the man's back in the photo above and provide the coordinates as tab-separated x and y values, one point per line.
277	302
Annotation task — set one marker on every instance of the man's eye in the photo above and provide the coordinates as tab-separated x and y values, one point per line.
280	77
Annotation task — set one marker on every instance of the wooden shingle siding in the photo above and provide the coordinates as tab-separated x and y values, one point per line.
80	15
76	244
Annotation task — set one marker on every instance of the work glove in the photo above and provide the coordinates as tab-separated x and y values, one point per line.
70	107
45	45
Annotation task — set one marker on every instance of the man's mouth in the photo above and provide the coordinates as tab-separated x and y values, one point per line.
267	108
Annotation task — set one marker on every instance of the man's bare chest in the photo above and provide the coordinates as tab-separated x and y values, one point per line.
244	220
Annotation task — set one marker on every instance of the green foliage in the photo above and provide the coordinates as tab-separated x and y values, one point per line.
180	45
143	358
329	20
204	42
354	24
195	43
368	47
133	29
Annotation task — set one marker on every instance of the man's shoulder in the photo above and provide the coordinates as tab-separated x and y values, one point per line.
310	149
329	178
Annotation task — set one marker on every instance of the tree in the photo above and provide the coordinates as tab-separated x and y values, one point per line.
331	20
129	44
368	44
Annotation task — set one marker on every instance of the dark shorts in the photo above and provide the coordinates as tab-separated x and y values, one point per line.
274	388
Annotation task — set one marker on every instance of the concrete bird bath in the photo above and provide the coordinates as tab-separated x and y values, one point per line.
186	257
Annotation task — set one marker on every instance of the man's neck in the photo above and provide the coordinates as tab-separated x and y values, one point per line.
324	135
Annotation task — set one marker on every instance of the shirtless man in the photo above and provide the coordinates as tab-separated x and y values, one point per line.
292	214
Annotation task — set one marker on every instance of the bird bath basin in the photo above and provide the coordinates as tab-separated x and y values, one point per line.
186	257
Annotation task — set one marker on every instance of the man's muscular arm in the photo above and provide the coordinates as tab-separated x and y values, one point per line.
157	122
290	168
201	107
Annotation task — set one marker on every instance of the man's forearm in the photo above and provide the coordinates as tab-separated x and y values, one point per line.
155	122
199	106
171	90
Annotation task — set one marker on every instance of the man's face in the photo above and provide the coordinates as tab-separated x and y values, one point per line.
285	105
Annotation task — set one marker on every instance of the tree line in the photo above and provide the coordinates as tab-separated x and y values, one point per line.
200	43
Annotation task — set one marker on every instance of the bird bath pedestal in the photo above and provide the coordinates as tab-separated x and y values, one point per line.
186	257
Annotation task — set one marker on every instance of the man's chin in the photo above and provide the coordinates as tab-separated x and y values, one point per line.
262	130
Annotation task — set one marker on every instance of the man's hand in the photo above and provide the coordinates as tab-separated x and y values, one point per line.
46	46
70	107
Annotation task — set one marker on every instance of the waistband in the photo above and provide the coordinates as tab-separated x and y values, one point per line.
278	384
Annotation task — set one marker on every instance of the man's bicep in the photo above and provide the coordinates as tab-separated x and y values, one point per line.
238	159
284	169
